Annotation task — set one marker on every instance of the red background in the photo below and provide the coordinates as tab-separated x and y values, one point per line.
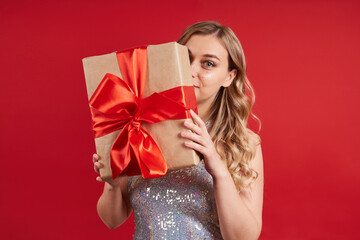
302	59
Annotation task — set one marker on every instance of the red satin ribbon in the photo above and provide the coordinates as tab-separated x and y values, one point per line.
118	104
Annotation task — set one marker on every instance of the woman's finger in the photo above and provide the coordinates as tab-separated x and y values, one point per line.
197	119
197	147
98	178
95	157
97	166
192	127
192	136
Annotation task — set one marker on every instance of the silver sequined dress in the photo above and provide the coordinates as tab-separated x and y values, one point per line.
179	205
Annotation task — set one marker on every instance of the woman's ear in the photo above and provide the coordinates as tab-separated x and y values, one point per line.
229	78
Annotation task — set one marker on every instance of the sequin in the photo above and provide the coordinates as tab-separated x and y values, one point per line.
179	205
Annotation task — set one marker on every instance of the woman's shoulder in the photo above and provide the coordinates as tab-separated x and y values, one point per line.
254	138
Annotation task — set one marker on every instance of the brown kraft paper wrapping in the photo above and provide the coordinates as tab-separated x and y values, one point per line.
168	67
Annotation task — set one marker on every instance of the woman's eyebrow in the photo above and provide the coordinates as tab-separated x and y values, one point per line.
206	55
211	56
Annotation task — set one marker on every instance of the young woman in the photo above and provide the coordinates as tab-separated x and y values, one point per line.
222	197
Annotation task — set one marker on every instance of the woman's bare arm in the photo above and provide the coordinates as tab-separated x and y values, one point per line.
240	215
113	205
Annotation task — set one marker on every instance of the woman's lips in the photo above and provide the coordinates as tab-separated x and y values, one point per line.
196	86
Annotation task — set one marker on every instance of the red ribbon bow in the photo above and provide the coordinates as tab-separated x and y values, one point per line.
118	104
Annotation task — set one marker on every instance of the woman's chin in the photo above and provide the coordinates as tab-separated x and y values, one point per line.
197	94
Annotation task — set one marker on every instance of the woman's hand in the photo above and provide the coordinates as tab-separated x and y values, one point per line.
97	165
202	142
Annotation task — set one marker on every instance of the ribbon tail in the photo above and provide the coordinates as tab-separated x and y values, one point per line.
120	155
151	161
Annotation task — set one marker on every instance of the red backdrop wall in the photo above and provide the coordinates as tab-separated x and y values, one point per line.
302	59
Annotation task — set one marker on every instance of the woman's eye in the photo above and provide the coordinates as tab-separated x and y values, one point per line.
209	64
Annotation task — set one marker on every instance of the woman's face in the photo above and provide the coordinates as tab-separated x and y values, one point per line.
209	67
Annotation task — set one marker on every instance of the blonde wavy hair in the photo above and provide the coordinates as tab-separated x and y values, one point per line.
229	113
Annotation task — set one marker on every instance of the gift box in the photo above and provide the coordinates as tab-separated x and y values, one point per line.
139	99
